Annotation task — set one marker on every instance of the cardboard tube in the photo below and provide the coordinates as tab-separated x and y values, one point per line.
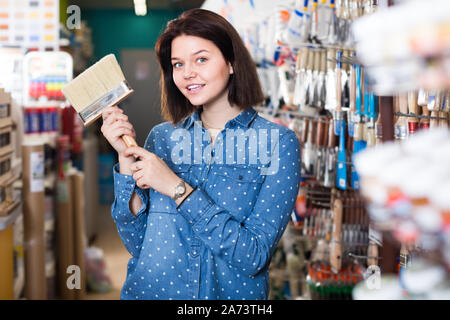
79	230
64	222
33	212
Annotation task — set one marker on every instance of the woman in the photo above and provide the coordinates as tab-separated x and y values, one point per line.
204	207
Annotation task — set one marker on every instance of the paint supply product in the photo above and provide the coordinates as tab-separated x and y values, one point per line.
33	209
100	86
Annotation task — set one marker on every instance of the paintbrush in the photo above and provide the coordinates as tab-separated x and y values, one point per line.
413	122
322	79
352	102
309	78
372	115
447	107
98	87
400	127
338	113
443	122
322	132
314	93
433	106
341	177
331	81
379	130
422	101
330	165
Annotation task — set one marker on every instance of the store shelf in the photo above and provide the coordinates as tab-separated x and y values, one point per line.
6	122
41	138
7	220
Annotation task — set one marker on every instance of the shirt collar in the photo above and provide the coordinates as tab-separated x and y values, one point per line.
244	118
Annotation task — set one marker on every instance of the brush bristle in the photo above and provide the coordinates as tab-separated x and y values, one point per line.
96	81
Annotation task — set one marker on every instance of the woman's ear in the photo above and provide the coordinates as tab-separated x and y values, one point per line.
231	68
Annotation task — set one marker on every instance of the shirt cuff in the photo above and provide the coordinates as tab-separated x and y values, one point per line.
124	186
195	205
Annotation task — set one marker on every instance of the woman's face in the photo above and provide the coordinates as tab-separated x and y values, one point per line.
199	70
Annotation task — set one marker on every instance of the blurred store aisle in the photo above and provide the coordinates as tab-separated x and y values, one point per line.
116	256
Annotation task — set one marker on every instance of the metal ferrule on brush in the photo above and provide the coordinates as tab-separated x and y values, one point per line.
94	110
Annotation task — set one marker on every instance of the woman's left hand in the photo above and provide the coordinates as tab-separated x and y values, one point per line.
150	171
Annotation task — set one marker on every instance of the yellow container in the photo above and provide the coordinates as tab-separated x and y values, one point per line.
6	264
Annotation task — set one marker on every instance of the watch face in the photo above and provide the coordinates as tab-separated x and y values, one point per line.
180	189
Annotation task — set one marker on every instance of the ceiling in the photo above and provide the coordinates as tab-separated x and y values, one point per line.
128	4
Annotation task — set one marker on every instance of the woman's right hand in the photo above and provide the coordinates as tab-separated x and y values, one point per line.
115	125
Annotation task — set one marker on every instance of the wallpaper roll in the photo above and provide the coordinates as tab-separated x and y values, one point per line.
64	230
80	240
33	212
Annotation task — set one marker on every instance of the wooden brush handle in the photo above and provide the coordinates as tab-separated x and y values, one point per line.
372	254
310	60
424	123
412	103
304	135
321	131
379	128
323	61
443	123
413	108
312	132
332	139
316	63
130	142
403	103
336	245
331	56
434	122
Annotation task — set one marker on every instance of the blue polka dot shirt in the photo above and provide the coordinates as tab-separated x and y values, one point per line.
218	243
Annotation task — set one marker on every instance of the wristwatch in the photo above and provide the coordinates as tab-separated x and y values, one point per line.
180	190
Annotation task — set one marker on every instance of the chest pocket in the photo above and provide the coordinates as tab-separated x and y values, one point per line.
165	204
236	188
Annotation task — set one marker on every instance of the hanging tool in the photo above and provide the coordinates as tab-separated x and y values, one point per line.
330	166
400	127
413	108
341	177
422	101
336	241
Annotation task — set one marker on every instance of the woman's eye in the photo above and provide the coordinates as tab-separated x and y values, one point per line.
177	64
201	60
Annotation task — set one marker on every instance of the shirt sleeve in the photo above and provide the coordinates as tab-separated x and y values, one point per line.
249	246
131	227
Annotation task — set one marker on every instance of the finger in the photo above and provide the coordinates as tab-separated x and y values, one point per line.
109	110
138	175
119	132
114	117
138	165
141	184
138	151
121	124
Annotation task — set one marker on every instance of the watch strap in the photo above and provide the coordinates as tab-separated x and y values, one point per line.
192	191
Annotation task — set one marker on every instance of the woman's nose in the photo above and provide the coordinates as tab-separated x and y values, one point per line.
189	72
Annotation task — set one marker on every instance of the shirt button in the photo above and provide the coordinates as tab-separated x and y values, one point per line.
240	177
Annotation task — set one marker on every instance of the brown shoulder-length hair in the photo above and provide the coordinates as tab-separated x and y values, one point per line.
244	89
